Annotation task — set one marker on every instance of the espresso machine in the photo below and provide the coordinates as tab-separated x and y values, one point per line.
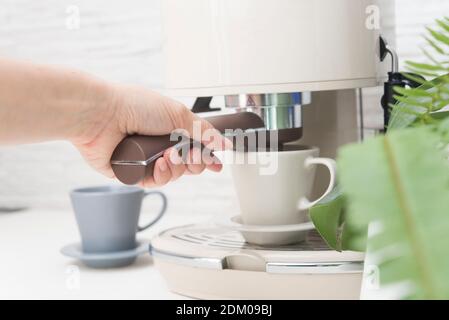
293	67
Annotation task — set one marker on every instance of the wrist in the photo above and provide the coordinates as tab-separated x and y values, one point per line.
96	110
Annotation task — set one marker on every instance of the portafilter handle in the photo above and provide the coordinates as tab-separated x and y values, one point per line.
134	157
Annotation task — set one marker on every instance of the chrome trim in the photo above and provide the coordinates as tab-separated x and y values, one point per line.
277	118
321	268
130	163
394	58
139	162
196	262
271	267
277	110
268	100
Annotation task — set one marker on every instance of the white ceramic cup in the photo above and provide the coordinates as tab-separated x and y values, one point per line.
274	188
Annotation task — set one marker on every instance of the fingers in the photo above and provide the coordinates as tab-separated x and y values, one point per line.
177	167
195	165
210	138
161	173
198	162
167	168
211	162
170	167
215	167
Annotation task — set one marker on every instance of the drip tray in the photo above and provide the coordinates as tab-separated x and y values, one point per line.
212	262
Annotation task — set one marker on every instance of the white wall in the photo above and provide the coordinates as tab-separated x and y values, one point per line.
117	40
411	17
120	41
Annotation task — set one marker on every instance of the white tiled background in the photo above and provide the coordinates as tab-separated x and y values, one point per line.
120	41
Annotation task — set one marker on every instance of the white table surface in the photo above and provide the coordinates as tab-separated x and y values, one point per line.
31	266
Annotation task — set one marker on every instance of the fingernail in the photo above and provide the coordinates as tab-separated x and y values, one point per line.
174	157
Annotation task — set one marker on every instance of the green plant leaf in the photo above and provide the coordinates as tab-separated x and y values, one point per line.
434	45
442	115
443	24
425	84
401	181
425	104
423	72
407	111
439	36
425	66
403	116
441	104
413	92
328	216
432	59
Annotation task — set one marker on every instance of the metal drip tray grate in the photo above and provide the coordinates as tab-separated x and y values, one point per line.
219	249
218	238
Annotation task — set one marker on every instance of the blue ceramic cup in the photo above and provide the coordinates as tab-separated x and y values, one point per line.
108	216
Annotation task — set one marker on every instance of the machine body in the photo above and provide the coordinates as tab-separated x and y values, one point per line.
288	66
226	47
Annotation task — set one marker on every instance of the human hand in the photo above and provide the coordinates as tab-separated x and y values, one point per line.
134	110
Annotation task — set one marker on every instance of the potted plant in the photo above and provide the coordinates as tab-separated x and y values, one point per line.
397	184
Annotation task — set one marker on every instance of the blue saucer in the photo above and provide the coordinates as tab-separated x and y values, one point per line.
105	260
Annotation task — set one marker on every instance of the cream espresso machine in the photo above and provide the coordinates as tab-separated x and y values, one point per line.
290	66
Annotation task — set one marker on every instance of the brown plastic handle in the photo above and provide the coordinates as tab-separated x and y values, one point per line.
143	148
